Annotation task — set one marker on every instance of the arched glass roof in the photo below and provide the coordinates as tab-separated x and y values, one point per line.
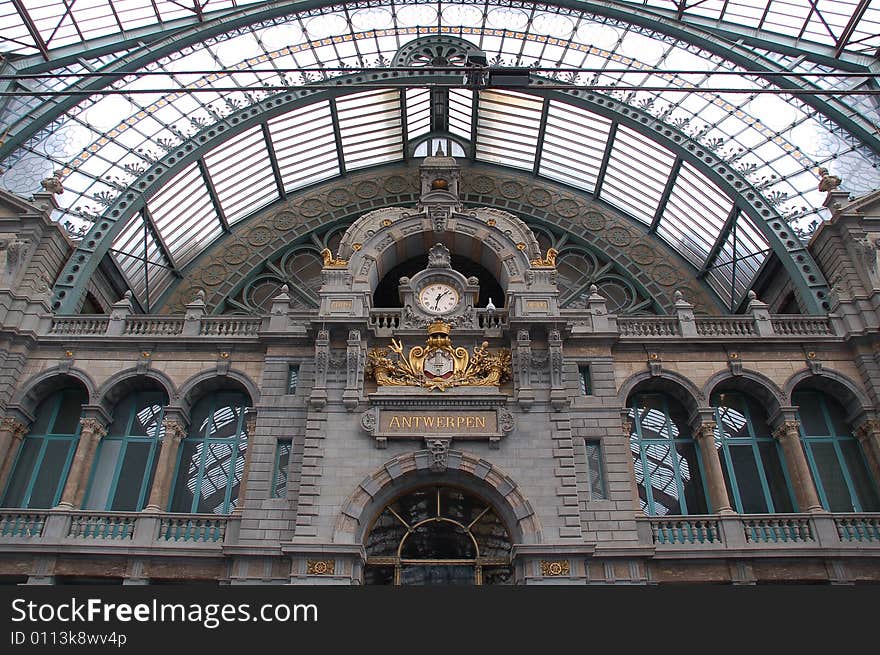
106	115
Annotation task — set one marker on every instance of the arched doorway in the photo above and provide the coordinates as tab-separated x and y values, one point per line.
438	535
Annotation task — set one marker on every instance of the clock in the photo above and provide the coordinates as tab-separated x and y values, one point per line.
438	298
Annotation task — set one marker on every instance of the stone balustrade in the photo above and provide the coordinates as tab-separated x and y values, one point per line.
761	531
74	529
385	322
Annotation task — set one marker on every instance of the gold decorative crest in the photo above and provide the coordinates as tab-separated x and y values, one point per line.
547	262
332	262
438	364
320	567
559	567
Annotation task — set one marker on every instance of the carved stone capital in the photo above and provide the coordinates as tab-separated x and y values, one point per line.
92	427
174	429
705	431
867	429
787	430
14	426
250	422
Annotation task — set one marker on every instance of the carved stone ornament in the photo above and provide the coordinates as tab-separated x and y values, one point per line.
13	426
53	184
173	430
369	420
555	568
828	182
506	422
320	567
439	364
439	257
93	426
332	262
439	449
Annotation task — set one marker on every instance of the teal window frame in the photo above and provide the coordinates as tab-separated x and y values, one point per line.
292	379
200	435
279	486
723	443
639	445
57	401
127	438
596	486
586	383
835	439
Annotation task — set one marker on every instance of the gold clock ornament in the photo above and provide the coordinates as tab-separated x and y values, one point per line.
438	364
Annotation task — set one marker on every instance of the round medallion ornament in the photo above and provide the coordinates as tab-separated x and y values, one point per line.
338	197
594	221
567	207
259	236
214	274
386	222
368	189
511	189
540	197
235	254
665	274
642	254
395	184
483	184
311	207
320	568
618	236
284	221
555	568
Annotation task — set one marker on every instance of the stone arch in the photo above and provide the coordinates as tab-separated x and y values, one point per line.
409	471
752	383
207	381
125	381
37	387
676	385
837	385
499	241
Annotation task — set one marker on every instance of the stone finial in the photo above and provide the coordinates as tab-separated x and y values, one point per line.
199	296
53	184
283	293
828	182
678	295
439	152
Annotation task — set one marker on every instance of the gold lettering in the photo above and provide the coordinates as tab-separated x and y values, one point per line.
481	421
407	421
429	421
395	422
471	422
459	421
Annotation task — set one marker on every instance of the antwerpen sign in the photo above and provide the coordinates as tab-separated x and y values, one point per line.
464	423
437	422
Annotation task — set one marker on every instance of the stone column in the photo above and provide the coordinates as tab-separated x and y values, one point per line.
91	432
250	421
175	432
868	434
789	438
12	432
705	436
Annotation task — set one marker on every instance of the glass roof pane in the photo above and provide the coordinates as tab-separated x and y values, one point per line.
418	112
242	174
370	128
460	112
507	128
134	244
636	175
574	143
694	215
180	209
304	145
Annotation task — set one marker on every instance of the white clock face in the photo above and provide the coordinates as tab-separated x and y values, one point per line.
438	298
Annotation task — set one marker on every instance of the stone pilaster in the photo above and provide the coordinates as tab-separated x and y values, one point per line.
705	436
12	432
91	432
175	432
250	426
868	434
788	435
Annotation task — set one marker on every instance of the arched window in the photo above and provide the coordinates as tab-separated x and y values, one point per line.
212	456
756	479
665	457
44	457
438	535
125	461
835	456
